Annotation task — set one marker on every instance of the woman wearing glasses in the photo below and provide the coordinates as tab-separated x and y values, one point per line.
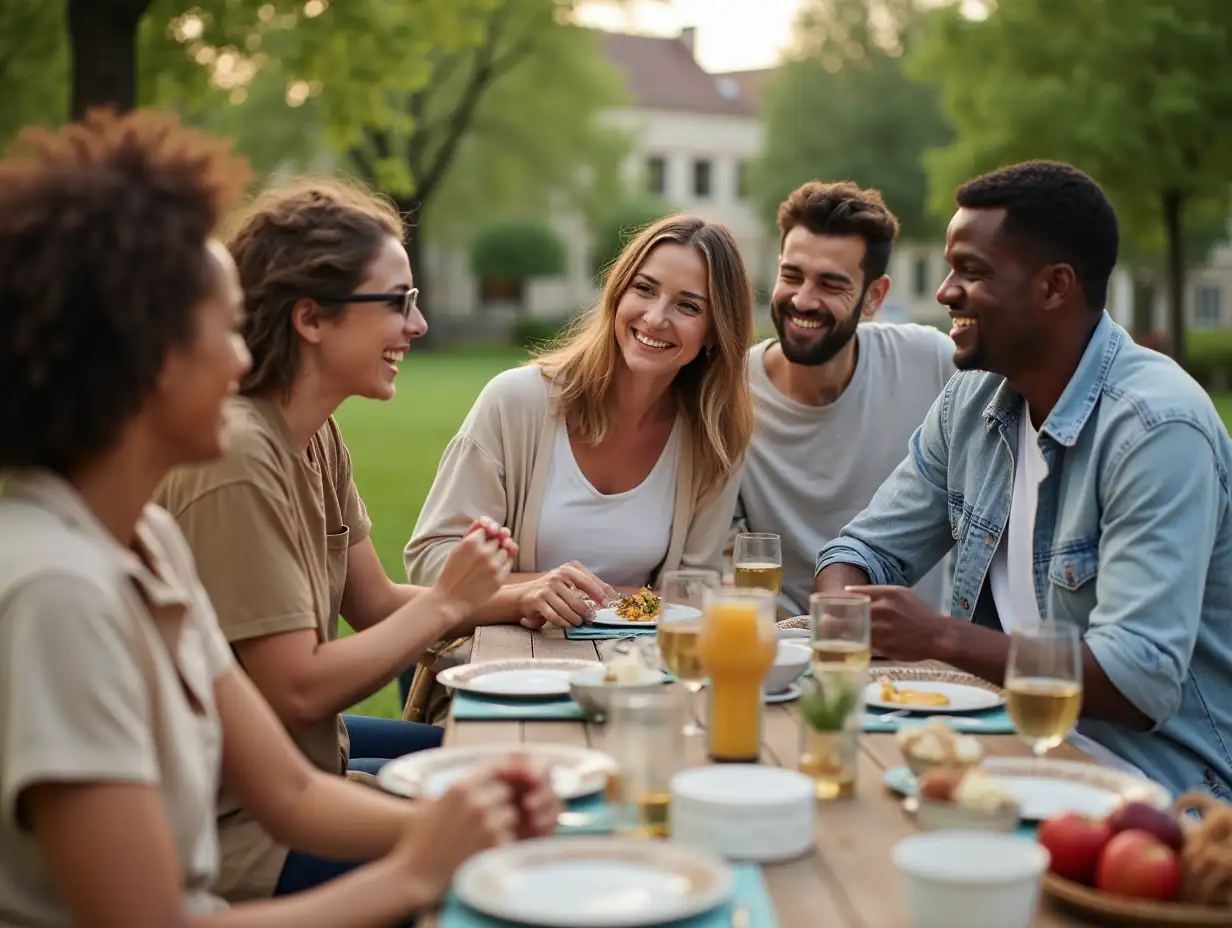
277	527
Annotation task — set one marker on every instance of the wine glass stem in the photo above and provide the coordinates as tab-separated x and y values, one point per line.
694	716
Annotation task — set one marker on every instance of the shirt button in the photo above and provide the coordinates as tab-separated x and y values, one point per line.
988	539
965	604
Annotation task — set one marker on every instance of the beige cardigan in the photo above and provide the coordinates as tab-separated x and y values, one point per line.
497	465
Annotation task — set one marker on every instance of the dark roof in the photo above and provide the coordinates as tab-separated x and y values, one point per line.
662	73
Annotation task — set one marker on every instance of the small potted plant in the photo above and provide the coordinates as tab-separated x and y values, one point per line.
831	712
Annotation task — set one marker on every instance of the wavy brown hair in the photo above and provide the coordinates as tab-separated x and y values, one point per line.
313	238
843	208
712	389
103	265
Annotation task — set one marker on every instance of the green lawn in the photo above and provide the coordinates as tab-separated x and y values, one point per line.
396	447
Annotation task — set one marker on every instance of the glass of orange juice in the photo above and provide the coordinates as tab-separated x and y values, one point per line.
737	648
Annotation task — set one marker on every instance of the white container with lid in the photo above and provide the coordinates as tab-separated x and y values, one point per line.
750	812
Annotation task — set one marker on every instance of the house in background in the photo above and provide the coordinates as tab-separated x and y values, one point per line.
693	135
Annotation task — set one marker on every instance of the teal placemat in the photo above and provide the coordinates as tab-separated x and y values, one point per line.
468	707
589	815
989	722
749	890
591	632
902	781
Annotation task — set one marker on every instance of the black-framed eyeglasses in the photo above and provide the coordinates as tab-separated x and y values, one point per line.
404	300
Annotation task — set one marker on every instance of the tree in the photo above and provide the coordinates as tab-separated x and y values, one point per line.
615	228
1144	107
843	109
507	254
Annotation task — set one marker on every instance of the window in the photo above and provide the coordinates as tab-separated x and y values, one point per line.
919	276
701	178
1208	307
742	180
656	175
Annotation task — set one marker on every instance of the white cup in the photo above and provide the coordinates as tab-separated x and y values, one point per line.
970	879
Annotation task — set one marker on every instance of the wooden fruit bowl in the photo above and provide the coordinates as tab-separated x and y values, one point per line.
1110	909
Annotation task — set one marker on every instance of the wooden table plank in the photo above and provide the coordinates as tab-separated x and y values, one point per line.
847	881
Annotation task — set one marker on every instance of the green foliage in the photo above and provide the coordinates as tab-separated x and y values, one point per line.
1208	358
616	227
829	701
843	109
531	332
33	64
518	249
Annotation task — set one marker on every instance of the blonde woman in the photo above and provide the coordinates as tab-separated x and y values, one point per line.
613	455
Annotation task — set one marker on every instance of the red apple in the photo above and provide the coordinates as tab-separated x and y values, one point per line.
1137	864
1075	843
1147	818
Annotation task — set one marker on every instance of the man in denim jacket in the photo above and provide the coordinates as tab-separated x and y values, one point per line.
1076	475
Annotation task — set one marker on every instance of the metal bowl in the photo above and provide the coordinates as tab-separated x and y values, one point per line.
594	694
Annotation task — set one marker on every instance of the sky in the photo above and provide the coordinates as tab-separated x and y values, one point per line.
732	35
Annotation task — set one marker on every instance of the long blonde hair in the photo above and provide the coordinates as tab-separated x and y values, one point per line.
712	390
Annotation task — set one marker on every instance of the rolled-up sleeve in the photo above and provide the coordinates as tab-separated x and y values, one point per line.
905	529
1162	503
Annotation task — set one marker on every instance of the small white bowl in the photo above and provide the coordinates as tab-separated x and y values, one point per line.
970	879
790	661
594	694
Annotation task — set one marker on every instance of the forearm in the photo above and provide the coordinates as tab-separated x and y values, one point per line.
985	653
378	894
834	578
332	817
347	670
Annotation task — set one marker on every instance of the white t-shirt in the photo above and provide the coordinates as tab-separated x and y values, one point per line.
1011	574
621	537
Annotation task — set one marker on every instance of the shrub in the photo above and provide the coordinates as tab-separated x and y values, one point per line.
518	250
620	224
530	332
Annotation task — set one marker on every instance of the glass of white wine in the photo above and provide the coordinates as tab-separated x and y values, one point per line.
1043	683
757	561
644	739
840	629
680	629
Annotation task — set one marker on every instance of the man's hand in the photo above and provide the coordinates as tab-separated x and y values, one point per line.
903	627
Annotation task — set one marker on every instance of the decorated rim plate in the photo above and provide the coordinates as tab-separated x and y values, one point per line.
576	772
671	612
596	882
1044	788
967	693
1110	909
520	678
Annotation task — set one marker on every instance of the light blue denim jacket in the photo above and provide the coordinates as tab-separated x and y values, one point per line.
1133	537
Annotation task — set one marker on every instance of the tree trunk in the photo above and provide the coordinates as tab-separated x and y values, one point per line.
412	210
103	43
1174	270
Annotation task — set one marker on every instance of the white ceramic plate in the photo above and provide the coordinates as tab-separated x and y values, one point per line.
1046	787
578	882
576	771
963	697
671	612
791	693
525	678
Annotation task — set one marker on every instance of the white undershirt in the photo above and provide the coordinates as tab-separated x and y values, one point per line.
621	537
1011	574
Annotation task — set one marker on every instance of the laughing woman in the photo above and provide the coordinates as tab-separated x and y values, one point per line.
122	709
614	455
278	529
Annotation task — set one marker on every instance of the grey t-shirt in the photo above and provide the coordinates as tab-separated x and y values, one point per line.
812	469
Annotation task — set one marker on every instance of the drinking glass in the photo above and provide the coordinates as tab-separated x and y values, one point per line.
679	635
840	629
738	647
757	561
830	715
1043	683
644	738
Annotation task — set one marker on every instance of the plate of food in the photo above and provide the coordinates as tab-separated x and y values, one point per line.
938	694
643	608
575	771
515	678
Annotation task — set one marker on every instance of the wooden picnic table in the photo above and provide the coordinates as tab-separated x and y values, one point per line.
848	881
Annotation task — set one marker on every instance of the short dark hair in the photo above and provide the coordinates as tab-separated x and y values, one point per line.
843	209
103	262
313	238
1058	210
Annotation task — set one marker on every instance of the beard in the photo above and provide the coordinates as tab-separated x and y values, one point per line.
808	351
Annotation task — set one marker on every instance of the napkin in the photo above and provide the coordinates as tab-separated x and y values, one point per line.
987	722
469	707
749	890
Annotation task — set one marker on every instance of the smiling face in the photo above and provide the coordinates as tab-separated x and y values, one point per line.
358	352
990	292
820	295
188	405
663	317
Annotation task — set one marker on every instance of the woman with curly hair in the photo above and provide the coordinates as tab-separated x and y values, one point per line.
123	710
615	453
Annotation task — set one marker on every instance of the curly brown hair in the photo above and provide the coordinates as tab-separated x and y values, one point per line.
311	239
103	263
843	208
